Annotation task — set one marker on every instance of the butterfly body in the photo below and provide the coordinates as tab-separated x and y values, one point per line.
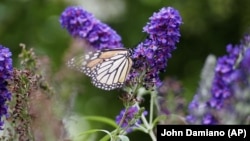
108	69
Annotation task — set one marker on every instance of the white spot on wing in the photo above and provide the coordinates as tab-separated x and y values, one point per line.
87	57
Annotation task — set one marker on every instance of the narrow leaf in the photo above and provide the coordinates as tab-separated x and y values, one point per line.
108	121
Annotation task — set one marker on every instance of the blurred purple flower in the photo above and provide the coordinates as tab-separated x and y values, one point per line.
130	119
199	112
172	89
211	97
83	24
245	63
228	98
209	119
225	66
151	55
5	74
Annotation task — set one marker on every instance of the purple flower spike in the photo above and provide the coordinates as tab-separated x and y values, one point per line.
5	74
164	27
83	24
224	69
152	55
228	97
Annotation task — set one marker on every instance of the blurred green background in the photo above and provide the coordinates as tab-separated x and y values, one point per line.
209	25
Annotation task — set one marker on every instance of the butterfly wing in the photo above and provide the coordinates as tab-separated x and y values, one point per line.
113	71
85	63
108	69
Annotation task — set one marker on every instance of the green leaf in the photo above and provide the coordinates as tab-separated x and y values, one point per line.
105	138
108	121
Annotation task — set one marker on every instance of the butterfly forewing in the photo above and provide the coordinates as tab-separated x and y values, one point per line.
85	63
78	63
108	69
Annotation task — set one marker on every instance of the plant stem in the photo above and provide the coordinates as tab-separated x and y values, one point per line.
148	126
152	100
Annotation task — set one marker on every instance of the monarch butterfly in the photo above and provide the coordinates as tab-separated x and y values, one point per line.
108	68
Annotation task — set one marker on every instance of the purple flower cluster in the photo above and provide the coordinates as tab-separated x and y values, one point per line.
203	108
5	74
130	119
199	112
221	89
228	92
151	55
83	24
